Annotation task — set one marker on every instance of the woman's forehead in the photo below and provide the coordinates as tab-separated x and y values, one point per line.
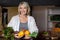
22	5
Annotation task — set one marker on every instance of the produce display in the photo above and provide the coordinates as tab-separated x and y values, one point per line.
9	33
56	29
27	33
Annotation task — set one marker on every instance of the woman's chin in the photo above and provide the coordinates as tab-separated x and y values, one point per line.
23	13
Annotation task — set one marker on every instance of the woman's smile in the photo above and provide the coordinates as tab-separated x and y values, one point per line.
23	9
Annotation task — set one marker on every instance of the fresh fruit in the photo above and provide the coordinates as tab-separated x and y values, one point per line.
56	29
21	34
27	32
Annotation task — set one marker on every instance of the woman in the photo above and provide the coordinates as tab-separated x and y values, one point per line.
23	19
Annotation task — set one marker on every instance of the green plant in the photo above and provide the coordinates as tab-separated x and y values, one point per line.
8	33
34	34
45	32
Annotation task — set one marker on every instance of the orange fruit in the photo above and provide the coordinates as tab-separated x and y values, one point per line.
21	34
27	32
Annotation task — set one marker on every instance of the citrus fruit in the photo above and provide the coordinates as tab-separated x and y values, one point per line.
21	34
27	32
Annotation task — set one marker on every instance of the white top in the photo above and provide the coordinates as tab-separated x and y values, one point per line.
15	22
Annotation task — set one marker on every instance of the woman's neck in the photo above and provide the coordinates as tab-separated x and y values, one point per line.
23	15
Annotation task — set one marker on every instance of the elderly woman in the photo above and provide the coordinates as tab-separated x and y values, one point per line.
23	20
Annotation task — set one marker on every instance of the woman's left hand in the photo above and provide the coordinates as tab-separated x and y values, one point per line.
27	37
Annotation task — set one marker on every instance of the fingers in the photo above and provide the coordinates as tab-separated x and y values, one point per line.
16	36
27	37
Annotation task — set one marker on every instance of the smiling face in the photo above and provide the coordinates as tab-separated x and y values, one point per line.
22	9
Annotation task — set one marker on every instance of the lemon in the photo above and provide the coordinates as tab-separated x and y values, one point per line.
27	32
21	34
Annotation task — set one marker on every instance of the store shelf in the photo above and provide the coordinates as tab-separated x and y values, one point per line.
52	22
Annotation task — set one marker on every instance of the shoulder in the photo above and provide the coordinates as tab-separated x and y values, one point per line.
15	17
31	17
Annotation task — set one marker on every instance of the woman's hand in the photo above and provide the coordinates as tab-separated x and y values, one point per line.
16	36
27	37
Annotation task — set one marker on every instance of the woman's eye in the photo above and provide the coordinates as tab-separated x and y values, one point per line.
25	7
20	8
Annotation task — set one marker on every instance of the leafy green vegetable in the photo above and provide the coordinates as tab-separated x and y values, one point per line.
45	33
8	33
34	34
